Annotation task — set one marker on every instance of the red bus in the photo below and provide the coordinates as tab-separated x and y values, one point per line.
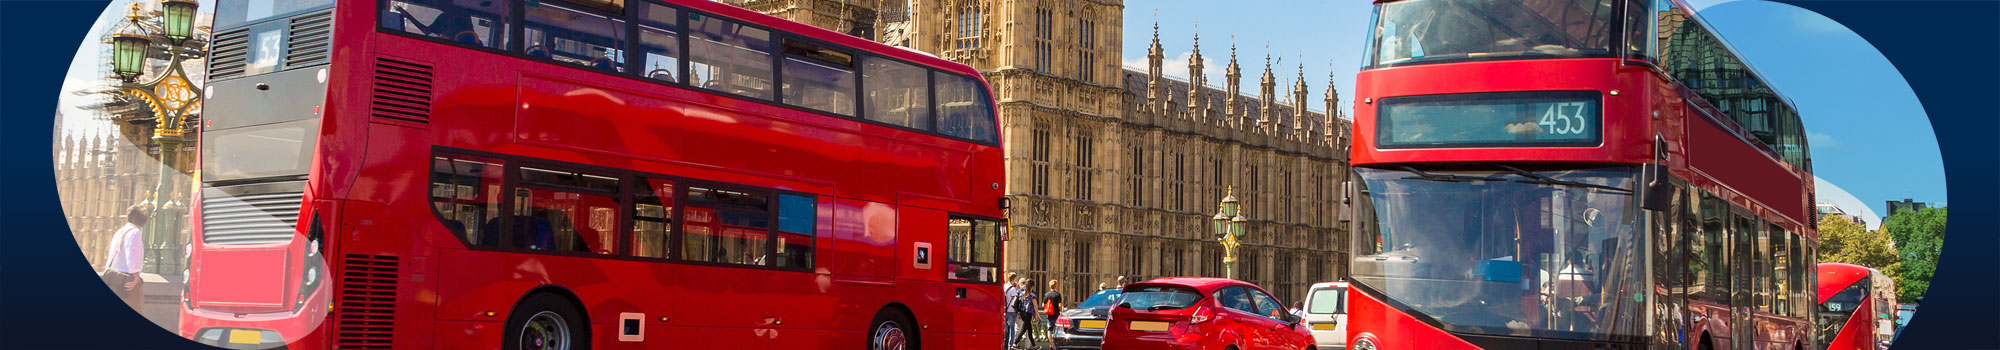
1602	174
1857	307
578	174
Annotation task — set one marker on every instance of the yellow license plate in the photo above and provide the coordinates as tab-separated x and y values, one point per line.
239	336
1091	324
1149	326
1325	327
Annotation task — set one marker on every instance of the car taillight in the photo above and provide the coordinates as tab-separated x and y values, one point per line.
1062	321
1200	314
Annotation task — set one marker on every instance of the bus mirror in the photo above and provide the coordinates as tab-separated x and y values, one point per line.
1658	192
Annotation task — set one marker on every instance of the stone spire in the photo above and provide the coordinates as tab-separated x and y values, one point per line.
1299	98
1267	90
1154	56
1197	106
1235	76
1332	103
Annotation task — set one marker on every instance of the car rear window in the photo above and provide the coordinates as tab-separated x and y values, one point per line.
1103	299
1327	301
1157	297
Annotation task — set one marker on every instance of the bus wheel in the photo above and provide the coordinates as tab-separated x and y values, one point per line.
890	331
545	322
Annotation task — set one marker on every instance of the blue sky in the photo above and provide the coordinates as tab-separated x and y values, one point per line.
1869	135
1871	141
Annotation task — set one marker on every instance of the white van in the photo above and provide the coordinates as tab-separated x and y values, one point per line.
1326	314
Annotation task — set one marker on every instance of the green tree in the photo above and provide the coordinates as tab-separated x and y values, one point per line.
1919	237
1844	241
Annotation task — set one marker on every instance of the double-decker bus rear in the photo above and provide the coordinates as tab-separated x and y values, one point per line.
574	174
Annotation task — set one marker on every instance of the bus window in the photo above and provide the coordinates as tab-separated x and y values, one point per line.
659	42
973	253
465	192
652	217
897	93
565	211
559	33
726	226
963	109
1711	279
729	57
797	216
480	23
818	77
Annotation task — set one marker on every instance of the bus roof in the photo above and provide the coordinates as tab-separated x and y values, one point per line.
786	25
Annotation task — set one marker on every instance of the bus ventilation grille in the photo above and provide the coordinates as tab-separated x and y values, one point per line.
250	219
311	40
230	54
402	92
366	302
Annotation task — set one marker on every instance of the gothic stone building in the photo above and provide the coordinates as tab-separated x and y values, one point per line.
1116	172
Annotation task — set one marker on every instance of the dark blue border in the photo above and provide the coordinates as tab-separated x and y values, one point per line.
49	297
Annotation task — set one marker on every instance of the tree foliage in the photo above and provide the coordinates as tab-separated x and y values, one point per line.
1844	241
1919	236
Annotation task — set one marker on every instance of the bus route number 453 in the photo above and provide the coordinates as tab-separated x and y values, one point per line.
1555	122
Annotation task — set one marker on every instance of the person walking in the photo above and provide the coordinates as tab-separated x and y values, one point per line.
1012	295
1052	303
1024	310
125	258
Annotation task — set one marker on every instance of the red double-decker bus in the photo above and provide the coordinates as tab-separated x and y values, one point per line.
578	174
1590	174
1857	307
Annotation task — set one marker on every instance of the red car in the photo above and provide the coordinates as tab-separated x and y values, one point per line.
1203	313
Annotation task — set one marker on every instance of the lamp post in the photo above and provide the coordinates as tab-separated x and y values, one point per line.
171	98
1228	224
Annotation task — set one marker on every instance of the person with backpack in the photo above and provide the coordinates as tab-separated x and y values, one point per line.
1024	310
1012	293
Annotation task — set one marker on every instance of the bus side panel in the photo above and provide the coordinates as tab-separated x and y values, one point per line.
864	238
1719	154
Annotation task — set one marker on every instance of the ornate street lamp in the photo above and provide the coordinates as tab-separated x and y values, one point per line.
171	97
1228	224
177	20
129	46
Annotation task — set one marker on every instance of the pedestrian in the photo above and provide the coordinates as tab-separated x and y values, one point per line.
1121	282
1299	310
1012	293
1024	308
1052	305
124	257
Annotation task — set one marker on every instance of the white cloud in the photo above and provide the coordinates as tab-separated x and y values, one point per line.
1821	141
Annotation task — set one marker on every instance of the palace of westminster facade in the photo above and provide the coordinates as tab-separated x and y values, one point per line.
1117	172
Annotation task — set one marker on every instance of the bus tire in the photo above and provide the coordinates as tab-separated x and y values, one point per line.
545	321
892	330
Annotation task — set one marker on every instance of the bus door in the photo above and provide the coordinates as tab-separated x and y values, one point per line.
1743	303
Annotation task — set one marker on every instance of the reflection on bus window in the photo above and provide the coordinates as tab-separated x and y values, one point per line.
659	41
898	93
729	57
230	13
482	23
797	216
973	249
465	192
564	211
819	78
652	217
726	226
574	37
963	109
